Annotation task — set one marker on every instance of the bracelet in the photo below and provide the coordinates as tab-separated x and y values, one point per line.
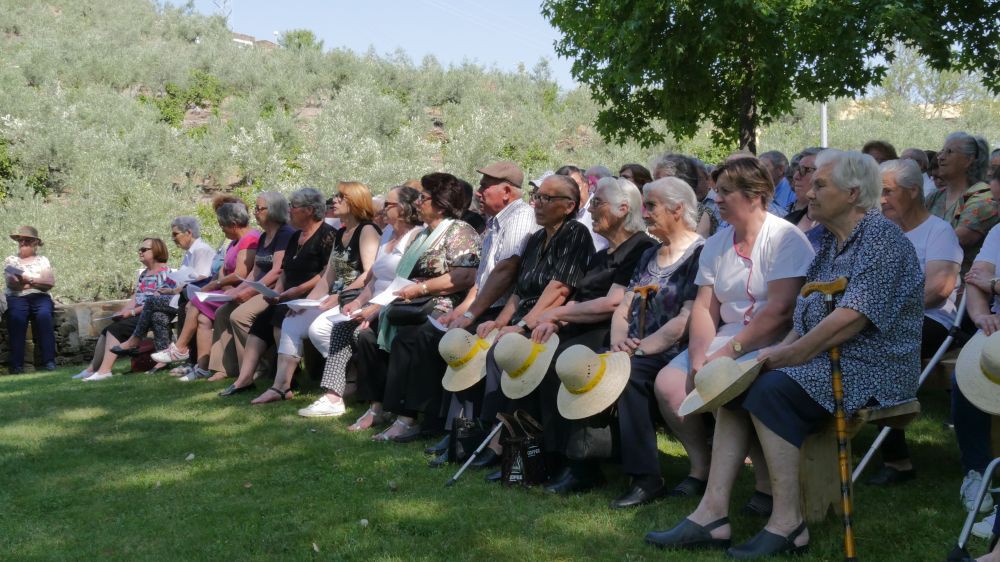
423	287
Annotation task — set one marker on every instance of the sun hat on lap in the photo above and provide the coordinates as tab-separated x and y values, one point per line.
591	382
717	383
524	363
465	355
978	372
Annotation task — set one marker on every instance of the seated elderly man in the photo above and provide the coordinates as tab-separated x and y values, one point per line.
876	324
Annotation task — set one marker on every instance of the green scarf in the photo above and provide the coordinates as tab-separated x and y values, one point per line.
423	242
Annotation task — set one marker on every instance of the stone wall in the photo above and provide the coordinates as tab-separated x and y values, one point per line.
77	328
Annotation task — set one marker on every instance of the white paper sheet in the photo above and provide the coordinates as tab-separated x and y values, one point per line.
182	276
11	270
303	304
261	288
213	297
387	296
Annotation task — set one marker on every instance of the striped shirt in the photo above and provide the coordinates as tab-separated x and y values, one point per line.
565	259
506	236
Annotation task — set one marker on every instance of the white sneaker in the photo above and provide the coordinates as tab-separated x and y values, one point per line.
170	355
82	374
98	377
324	407
970	488
984	529
195	374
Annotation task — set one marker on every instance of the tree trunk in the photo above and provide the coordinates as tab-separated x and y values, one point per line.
748	119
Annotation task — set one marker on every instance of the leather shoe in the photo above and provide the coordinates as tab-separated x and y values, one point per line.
494	476
760	504
486	459
887	476
689	535
124	351
439	447
766	543
233	390
636	496
439	461
689	487
576	481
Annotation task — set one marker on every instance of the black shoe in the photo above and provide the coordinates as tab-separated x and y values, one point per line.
575	483
439	447
233	390
689	535
486	459
494	476
760	505
50	366
887	476
766	543
124	351
439	461
689	487
638	495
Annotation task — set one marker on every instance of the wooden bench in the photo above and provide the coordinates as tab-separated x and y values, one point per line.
819	467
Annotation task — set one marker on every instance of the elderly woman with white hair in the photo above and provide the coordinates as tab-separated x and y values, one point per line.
876	325
616	210
940	257
965	200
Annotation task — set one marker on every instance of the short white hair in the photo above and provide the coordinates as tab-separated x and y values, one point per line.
853	169
619	190
673	192
906	174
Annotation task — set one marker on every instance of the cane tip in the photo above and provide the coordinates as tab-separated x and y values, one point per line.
449	483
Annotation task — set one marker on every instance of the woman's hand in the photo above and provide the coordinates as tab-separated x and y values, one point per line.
980	280
168	292
211	286
543	331
411	292
988	323
781	355
628	345
329	302
347	310
486	327
509	330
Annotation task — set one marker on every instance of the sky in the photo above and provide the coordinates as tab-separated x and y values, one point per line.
501	34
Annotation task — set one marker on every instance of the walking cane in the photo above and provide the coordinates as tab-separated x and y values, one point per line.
644	293
473	456
830	289
956	327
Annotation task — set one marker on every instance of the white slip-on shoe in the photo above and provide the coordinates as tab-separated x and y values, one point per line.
98	377
970	488
82	374
324	407
984	529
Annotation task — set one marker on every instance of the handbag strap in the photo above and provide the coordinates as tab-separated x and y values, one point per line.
529	425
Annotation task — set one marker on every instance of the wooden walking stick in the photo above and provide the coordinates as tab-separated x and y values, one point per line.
830	289
645	292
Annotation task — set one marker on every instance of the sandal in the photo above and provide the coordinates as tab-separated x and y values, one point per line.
369	419
282	394
766	543
760	504
388	435
689	487
689	535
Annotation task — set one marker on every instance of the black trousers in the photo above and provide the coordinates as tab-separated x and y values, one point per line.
413	374
371	363
637	414
468	403
894	447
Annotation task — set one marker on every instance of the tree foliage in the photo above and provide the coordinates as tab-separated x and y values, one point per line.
300	40
743	64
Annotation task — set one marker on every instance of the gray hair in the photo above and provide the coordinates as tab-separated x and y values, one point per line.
907	175
277	206
676	165
853	169
309	197
775	157
916	155
599	171
975	148
619	190
673	192
187	224
233	214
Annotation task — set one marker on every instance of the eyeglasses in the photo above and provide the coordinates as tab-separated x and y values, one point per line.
546	199
144	250
257	209
388	205
804	171
595	202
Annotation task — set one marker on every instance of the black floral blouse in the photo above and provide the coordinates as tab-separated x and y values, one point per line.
880	365
459	246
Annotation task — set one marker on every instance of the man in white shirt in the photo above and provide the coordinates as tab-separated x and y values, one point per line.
583	213
198	255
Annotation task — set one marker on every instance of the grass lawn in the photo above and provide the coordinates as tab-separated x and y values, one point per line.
94	471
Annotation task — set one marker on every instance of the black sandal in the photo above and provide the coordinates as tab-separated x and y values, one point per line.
689	487
282	393
760	504
766	543
233	389
689	535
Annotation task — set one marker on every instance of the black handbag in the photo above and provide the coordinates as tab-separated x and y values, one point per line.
466	436
410	313
522	463
596	437
347	296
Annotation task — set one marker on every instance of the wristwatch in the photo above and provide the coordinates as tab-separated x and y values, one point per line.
737	346
522	325
468	315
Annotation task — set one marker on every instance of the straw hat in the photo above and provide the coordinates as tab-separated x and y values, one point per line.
25	232
717	383
590	382
978	372
524	363
465	355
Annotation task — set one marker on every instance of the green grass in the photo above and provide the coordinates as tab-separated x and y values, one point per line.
98	471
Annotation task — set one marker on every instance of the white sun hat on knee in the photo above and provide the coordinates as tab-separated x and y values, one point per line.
524	363
977	372
465	355
591	382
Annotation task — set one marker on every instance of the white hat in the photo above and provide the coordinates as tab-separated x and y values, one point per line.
977	372
718	382
465	355
590	382
524	363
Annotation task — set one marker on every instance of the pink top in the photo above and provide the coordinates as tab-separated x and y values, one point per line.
247	242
